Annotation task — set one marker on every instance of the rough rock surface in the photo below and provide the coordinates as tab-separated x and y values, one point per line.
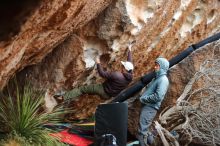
106	27
56	46
47	27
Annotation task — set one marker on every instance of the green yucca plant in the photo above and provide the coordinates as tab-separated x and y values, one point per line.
21	115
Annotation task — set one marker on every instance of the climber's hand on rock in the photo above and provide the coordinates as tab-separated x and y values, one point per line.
97	60
130	45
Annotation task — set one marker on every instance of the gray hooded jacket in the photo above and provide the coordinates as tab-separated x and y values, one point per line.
157	88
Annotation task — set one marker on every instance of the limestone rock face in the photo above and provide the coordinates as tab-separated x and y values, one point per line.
105	27
50	24
56	46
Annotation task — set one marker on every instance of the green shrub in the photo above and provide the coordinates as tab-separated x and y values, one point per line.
22	118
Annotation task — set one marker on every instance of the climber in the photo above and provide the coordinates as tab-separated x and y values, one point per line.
151	100
114	82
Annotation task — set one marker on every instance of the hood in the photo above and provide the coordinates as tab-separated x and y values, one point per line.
164	66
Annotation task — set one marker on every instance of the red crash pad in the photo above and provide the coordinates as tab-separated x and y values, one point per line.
72	139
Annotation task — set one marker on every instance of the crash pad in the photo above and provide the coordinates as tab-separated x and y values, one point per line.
70	138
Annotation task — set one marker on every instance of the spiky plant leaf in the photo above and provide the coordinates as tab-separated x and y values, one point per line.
22	116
